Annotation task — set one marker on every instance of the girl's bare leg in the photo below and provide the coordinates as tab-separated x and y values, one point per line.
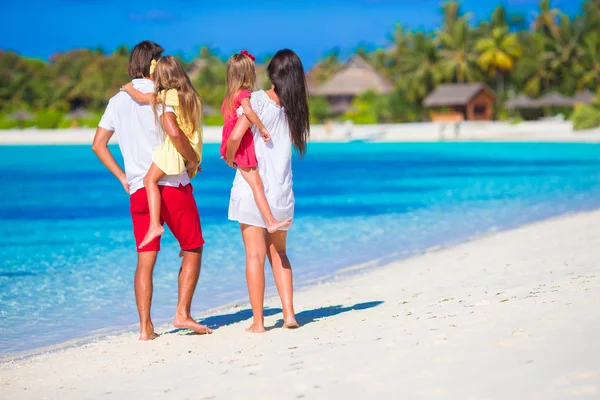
254	242
282	272
151	179
252	176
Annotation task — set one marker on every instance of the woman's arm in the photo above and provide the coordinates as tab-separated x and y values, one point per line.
233	143
142	98
251	115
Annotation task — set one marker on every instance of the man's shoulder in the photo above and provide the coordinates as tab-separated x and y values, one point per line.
119	97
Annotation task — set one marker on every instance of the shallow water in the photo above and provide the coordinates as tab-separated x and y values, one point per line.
67	255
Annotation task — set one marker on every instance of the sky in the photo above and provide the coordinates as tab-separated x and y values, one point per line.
310	27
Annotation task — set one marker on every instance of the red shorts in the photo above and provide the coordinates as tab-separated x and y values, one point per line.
177	209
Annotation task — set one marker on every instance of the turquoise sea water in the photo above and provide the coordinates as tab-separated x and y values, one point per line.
67	256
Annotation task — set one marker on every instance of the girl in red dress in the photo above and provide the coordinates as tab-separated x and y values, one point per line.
241	80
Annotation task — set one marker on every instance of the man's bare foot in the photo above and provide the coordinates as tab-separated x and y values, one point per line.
153	232
189	323
291	324
277	225
256	328
147	333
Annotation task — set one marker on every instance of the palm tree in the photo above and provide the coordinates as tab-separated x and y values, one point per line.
498	54
419	66
401	40
590	62
458	61
545	20
564	52
452	14
534	71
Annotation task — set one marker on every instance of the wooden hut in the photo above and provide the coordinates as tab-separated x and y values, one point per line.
470	101
356	77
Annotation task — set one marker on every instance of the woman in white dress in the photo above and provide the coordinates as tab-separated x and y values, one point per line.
284	111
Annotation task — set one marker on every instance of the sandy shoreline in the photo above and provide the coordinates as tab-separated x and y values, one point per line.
537	131
511	315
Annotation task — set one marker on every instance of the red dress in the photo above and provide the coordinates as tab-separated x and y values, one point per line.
246	154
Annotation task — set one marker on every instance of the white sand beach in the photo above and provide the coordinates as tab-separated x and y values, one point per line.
510	316
534	131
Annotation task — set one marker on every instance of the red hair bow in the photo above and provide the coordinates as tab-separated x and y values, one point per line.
245	52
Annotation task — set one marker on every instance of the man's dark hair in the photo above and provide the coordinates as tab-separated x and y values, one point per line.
140	58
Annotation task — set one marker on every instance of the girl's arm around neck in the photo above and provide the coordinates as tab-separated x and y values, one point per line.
251	115
142	98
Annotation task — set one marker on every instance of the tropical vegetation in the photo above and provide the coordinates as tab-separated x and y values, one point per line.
512	53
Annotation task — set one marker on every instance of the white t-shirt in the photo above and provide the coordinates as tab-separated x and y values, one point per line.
136	129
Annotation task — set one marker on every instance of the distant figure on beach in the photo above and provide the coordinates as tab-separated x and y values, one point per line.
135	125
284	111
173	88
241	81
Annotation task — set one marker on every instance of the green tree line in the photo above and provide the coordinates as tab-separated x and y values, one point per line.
508	51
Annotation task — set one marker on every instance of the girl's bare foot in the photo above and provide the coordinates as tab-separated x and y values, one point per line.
277	225
189	323
256	328
153	232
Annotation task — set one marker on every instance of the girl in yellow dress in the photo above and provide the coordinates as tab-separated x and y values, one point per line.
172	89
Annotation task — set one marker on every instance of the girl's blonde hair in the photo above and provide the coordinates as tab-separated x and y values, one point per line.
240	75
169	74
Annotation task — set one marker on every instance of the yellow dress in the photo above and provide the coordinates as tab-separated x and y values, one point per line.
166	157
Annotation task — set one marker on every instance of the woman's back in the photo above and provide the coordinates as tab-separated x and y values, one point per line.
274	166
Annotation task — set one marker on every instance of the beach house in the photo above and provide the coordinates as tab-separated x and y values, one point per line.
461	102
356	77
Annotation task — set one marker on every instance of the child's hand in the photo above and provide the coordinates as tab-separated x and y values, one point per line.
230	163
128	86
265	134
192	166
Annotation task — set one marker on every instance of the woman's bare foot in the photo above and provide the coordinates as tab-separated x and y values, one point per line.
147	333
277	225
291	324
153	232
256	328
189	323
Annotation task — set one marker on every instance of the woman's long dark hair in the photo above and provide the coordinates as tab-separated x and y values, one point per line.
287	76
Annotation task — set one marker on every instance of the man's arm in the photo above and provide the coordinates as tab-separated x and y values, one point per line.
100	147
233	143
180	141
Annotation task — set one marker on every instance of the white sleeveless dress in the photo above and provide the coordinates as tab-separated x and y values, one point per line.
274	166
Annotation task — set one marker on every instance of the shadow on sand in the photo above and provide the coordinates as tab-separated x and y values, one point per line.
303	317
310	316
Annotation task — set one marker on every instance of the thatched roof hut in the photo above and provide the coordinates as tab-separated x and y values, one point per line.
197	65
20	115
522	102
355	78
209	110
584	97
555	99
79	113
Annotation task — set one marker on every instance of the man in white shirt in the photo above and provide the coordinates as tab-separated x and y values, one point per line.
135	126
